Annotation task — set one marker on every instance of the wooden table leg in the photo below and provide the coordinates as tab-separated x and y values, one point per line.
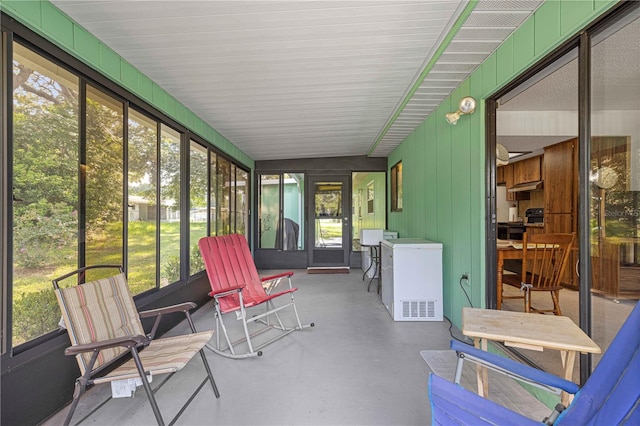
499	272
482	372
568	360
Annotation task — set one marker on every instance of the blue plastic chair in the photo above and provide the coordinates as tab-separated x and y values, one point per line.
611	396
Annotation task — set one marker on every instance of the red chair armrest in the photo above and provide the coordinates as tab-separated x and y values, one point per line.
273	277
227	291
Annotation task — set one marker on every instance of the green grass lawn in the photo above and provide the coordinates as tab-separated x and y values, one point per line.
35	309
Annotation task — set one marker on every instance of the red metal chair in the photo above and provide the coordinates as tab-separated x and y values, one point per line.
236	287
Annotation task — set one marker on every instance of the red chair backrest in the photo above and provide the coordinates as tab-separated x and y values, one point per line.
229	263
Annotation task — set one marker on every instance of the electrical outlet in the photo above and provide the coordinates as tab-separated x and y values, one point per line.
465	276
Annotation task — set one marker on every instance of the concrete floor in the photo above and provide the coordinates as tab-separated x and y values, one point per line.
355	367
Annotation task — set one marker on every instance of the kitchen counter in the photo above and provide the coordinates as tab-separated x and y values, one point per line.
534	225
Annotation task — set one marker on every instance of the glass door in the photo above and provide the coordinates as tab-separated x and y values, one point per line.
614	190
329	224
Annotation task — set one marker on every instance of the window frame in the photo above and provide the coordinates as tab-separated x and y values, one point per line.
17	33
396	187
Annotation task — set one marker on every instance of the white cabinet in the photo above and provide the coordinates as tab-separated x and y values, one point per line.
412	279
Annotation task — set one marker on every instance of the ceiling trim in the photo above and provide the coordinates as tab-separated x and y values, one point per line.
425	72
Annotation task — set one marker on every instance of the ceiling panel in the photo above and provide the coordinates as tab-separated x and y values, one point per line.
301	79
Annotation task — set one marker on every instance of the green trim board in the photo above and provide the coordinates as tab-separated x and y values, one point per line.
445	164
45	19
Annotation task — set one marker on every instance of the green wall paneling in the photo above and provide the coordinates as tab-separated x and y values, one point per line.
489	74
431	182
420	201
573	13
476	209
504	59
444	191
129	76
109	63
410	186
376	219
477	194
547	26
600	6
159	96
181	113
57	25
145	87
460	203
524	45
30	12
170	106
86	46
476	86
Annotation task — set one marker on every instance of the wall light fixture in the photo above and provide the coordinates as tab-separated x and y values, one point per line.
466	106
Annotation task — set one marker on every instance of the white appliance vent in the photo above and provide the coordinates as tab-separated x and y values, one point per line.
418	309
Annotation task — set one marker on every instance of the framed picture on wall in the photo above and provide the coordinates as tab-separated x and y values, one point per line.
370	195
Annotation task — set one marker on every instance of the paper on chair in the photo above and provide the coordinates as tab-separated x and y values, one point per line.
125	388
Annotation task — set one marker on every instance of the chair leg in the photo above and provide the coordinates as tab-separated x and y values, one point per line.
209	374
77	393
243	312
555	296
147	387
527	300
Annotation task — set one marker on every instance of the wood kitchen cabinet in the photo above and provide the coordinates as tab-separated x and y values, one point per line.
560	173
500	179
507	178
528	170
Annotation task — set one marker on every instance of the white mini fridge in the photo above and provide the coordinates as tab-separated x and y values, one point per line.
412	279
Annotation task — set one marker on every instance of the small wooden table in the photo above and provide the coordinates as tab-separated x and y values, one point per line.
505	251
527	331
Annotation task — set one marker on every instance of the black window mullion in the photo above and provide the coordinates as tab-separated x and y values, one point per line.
6	194
158	198
125	186
82	170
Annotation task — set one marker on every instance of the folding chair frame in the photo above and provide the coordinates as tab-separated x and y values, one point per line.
237	287
134	344
264	318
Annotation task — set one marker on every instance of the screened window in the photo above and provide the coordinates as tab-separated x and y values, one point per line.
103	176
242	202
45	189
141	204
281	211
223	196
169	206
198	209
109	196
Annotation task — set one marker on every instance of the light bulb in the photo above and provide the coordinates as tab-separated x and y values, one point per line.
467	105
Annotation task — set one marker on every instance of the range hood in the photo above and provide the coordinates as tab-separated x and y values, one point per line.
529	186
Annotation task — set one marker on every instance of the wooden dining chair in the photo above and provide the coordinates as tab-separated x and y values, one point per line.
544	258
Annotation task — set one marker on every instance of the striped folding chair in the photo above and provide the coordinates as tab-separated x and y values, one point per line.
104	328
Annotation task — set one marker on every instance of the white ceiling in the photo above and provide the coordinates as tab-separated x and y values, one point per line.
303	79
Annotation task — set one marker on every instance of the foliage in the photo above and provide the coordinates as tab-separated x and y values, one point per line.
172	266
41	231
35	314
104	165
